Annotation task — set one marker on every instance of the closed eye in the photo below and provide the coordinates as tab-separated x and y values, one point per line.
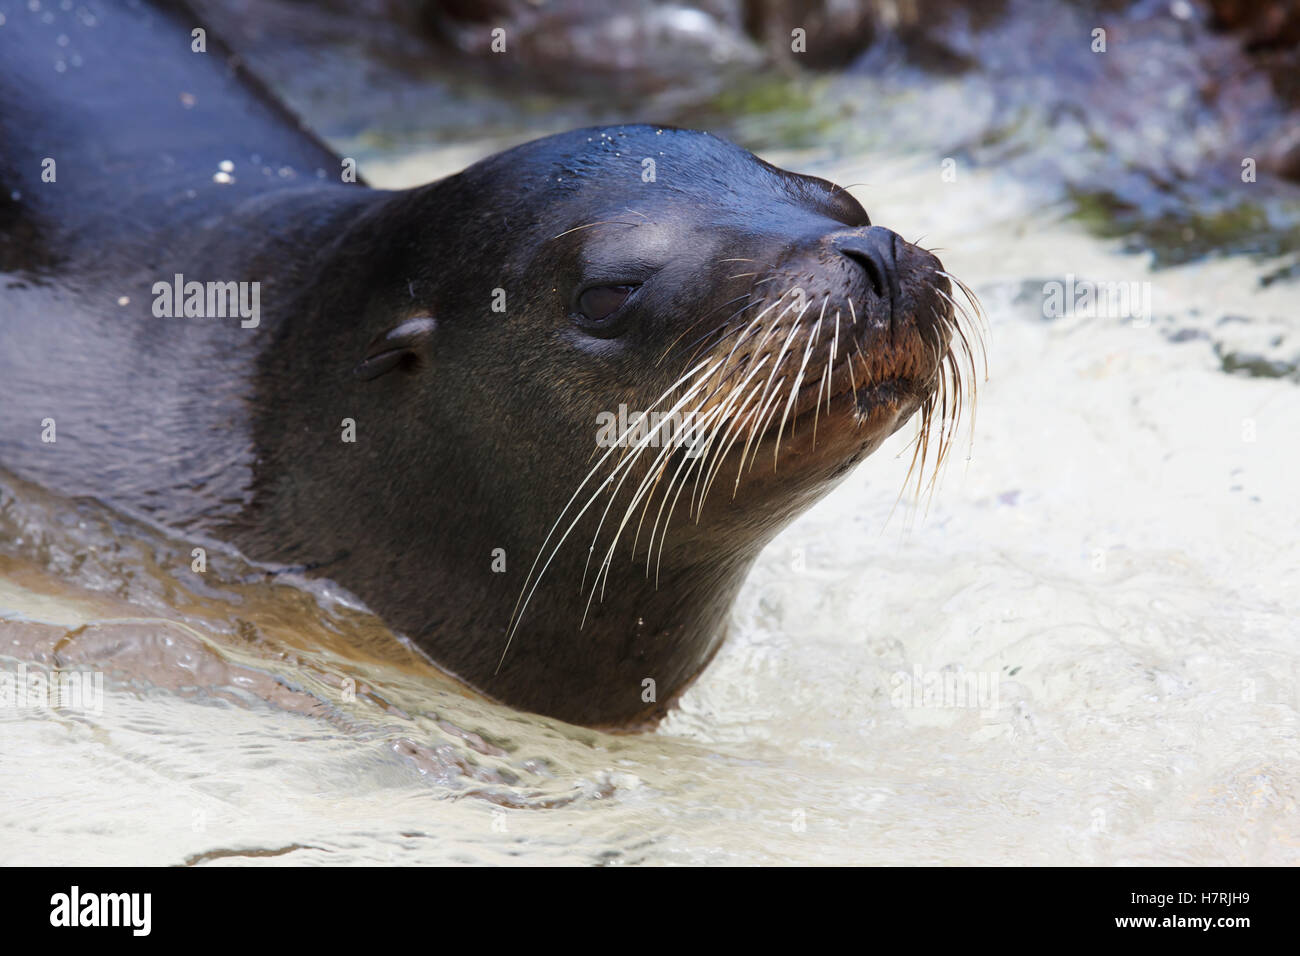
599	310
600	302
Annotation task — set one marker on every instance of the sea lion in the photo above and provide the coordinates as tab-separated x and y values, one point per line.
435	396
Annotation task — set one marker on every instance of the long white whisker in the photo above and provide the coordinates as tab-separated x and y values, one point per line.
526	594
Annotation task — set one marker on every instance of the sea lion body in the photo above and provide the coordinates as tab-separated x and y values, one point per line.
416	408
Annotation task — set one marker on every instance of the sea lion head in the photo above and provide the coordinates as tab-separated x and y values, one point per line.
679	348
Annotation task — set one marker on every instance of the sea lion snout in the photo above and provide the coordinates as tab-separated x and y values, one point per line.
853	311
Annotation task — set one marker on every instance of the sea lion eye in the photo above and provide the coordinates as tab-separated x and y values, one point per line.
602	301
597	305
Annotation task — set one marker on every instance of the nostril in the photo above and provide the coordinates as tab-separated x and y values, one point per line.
872	264
873	250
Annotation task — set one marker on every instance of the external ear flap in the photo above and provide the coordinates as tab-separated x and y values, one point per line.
388	349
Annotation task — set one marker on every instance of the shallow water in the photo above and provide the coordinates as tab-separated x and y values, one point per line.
1110	567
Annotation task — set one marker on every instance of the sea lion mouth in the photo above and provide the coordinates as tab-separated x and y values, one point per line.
892	391
868	394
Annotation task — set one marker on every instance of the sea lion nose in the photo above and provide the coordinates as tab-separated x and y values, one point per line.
874	250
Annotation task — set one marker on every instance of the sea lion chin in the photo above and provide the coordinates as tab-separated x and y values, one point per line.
542	415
